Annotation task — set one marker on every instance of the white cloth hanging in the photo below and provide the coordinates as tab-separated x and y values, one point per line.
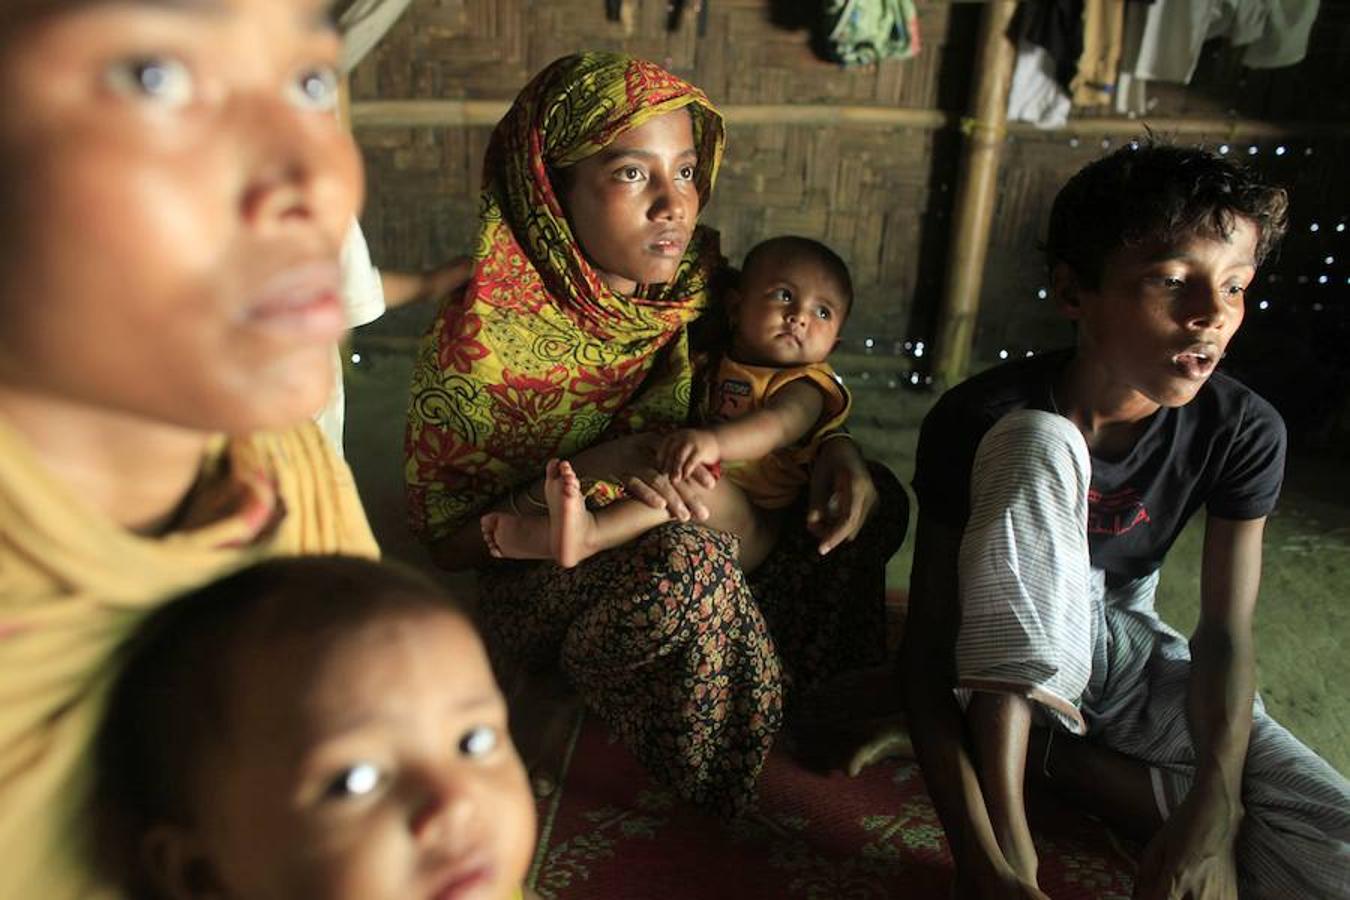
1284	40
363	24
1035	96
1163	40
1275	33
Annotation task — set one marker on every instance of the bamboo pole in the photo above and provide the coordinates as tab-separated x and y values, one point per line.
479	113
1233	129
427	113
435	113
975	194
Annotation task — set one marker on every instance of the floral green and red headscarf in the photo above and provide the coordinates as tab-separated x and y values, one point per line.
539	358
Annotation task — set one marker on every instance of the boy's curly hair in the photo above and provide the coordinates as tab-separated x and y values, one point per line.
1152	191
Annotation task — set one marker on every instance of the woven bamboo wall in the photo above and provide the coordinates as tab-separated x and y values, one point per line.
880	195
867	191
752	51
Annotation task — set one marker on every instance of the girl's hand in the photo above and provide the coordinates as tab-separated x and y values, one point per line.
634	463
842	494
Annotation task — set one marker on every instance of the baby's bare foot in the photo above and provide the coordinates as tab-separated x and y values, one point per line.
516	537
571	525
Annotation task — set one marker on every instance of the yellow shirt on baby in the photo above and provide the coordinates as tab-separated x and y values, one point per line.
74	584
775	480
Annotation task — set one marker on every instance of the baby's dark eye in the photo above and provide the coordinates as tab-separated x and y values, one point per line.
1171	282
1235	290
824	313
478	741
160	80
782	295
355	781
316	89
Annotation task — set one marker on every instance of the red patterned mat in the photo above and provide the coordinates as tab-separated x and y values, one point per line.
609	832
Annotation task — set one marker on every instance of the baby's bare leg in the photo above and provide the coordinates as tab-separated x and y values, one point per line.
576	532
730	510
515	536
509	536
570	532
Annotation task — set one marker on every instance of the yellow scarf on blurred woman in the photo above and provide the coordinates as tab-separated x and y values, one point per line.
74	585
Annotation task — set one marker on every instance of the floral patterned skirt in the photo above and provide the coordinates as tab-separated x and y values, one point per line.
686	658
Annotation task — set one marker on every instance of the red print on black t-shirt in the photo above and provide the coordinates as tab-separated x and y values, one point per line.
1115	513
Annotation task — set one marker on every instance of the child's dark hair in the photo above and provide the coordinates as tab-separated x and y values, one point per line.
1152	191
795	245
169	703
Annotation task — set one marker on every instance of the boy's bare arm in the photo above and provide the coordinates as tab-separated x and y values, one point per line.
1223	675
1195	846
937	726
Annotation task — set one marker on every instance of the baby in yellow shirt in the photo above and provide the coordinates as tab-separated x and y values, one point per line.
772	400
321	727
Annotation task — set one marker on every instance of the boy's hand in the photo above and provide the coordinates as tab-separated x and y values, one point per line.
684	451
1191	857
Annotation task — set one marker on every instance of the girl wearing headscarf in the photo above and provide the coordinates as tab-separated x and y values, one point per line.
573	340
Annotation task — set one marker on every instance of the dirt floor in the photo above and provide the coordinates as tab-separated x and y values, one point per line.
1302	619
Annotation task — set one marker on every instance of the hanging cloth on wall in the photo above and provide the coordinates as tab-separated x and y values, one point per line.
1049	44
1131	93
1164	40
1099	64
1068	53
860	32
1284	35
1035	96
1057	26
363	24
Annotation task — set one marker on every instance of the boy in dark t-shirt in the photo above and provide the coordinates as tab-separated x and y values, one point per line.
1224	451
1050	490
